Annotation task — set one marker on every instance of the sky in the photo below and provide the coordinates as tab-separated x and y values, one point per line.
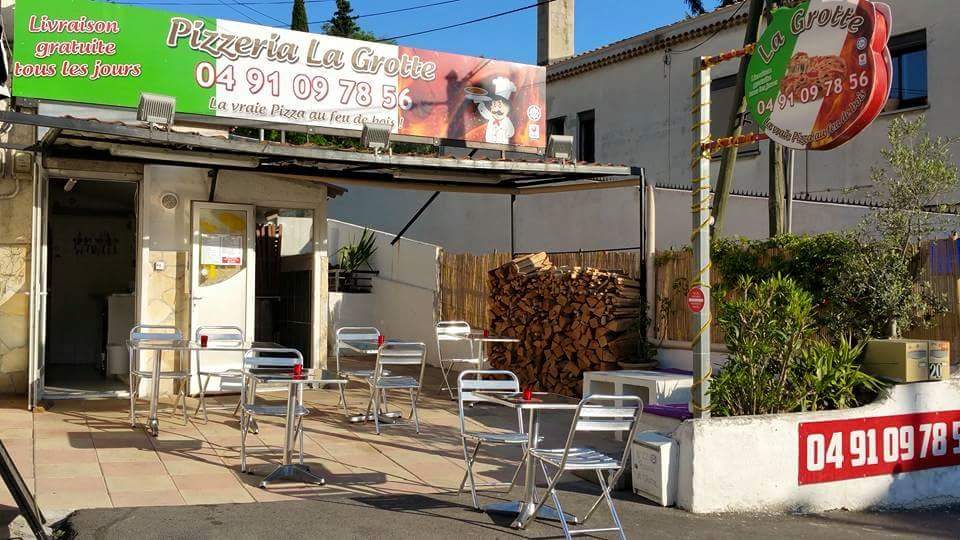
511	37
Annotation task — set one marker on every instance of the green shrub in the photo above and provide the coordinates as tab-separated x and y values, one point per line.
831	378
777	362
858	286
767	324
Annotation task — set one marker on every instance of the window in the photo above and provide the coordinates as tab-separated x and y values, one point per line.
586	136
909	53
555	126
722	107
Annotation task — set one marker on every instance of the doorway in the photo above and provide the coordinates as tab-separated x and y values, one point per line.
222	272
284	279
91	284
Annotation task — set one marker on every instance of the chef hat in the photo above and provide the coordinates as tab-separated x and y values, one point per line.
503	87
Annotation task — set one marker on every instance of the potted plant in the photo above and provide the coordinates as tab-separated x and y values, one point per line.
351	259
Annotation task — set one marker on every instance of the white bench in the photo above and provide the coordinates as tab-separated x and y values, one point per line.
653	387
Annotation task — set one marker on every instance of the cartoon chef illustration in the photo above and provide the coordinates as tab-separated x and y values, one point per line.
495	110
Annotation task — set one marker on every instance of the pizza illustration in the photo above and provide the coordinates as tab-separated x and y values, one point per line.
805	71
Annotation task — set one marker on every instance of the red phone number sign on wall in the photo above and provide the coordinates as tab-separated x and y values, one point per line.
884	445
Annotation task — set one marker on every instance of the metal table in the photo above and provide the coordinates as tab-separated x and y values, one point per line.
481	341
160	345
288	469
541	401
371	347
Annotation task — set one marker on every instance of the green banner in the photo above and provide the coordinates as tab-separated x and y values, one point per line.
103	54
96	53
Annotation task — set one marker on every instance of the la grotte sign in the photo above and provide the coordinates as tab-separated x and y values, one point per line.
88	52
821	72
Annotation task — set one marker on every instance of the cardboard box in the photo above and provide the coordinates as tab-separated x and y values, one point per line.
908	360
938	360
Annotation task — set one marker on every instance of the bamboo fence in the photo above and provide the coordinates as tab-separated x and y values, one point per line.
941	267
464	292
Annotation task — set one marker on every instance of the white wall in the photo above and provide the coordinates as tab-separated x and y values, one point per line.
403	304
752	464
642	108
458	222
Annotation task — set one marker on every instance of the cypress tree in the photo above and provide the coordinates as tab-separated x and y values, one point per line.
298	20
343	23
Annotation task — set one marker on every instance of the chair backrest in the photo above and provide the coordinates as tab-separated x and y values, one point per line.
353	333
474	380
400	353
272	358
155	332
448	331
230	336
452	330
606	413
267	358
357	333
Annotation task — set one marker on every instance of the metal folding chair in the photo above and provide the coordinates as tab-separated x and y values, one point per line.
396	354
155	332
471	381
250	409
595	413
454	331
230	379
358	334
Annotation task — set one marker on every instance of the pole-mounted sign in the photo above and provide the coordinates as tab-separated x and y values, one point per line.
821	72
696	300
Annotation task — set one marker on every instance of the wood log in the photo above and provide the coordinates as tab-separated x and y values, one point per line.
569	320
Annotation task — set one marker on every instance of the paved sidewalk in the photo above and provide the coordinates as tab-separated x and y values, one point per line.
84	454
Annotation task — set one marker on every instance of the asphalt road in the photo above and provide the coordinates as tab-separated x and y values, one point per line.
449	516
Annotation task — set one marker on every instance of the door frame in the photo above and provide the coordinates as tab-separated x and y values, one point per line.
39	270
251	266
38	286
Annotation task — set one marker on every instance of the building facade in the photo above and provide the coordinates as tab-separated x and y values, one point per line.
629	103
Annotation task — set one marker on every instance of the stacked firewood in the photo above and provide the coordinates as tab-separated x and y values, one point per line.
568	319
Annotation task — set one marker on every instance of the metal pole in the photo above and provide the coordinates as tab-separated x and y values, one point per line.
414	218
513	232
789	161
775	201
700	393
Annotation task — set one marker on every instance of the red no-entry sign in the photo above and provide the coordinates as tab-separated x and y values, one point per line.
696	299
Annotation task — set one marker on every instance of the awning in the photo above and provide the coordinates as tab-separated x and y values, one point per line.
88	139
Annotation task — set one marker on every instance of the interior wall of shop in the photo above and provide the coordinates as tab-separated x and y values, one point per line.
92	245
642	109
168	236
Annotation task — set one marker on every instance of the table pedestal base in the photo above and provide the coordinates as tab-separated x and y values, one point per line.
524	511
292	472
386	418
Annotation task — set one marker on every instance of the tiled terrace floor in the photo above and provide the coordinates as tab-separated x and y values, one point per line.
83	454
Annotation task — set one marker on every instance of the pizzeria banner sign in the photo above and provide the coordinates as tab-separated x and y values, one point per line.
878	446
96	53
821	72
